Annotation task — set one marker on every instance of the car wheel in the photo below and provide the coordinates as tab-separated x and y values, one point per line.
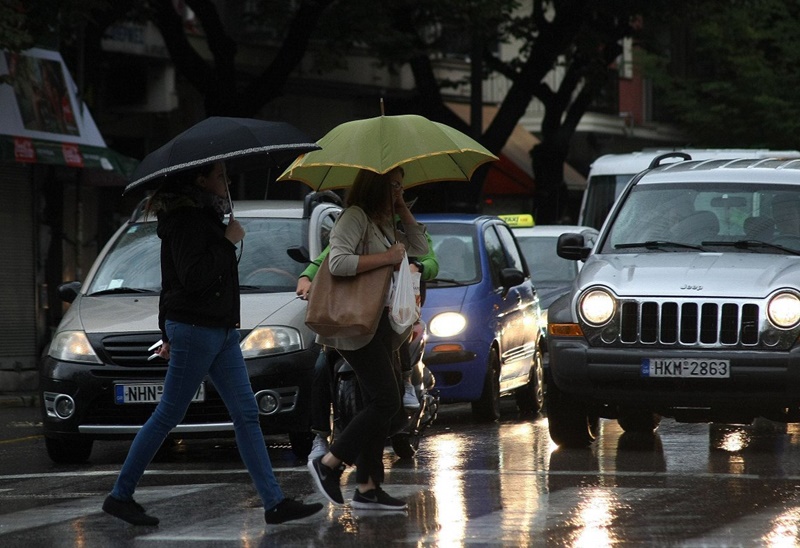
405	445
638	421
348	400
68	451
301	443
570	422
487	408
530	398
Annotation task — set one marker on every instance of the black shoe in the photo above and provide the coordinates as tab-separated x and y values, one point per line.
376	499
289	509
327	480
129	511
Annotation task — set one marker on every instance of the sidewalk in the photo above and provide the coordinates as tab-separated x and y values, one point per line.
19	399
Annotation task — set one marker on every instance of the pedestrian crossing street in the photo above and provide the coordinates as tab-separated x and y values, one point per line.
446	508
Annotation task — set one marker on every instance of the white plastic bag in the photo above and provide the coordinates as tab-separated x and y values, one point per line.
404	307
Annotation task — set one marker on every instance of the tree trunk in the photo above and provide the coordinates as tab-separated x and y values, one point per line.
551	195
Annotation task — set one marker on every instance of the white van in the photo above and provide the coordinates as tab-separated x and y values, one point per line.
610	173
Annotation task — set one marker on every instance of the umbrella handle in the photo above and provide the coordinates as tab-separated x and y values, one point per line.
230	201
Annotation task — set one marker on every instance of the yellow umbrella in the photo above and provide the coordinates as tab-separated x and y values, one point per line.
428	152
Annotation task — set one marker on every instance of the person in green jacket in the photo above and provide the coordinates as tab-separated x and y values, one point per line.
322	390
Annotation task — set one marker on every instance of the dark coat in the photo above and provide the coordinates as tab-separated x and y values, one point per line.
199	271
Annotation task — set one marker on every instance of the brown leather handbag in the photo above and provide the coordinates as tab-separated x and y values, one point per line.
347	306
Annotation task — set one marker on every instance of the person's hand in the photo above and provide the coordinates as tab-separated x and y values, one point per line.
162	351
397	197
303	287
413	268
396	253
234	232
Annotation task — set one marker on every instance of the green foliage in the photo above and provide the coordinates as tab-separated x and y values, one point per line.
28	23
741	87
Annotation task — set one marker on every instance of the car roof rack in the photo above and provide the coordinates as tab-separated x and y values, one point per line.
658	159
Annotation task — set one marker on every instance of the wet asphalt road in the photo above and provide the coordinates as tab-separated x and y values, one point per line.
500	484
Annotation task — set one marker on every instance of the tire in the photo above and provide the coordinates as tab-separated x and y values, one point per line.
570	422
405	445
301	443
68	451
348	400
530	398
487	407
638	421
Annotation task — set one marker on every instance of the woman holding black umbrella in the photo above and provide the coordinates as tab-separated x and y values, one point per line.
198	318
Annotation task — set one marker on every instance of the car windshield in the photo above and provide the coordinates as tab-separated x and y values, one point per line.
456	250
709	217
546	267
133	264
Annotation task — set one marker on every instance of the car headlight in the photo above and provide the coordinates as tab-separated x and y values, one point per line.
447	324
597	307
270	340
784	310
72	346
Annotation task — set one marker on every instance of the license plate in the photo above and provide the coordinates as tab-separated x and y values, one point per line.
686	368
148	393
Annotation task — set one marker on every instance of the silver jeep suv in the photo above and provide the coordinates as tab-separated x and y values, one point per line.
688	305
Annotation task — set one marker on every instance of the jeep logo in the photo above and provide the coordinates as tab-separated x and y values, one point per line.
692	287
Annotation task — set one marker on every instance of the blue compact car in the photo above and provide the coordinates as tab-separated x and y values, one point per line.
482	313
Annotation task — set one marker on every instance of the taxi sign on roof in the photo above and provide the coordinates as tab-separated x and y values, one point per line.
519	220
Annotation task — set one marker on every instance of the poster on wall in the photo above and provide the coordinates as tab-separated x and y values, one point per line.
39	100
42	119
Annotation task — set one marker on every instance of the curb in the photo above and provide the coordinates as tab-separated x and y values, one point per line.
23	399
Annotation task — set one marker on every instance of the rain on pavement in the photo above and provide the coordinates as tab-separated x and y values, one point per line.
502	484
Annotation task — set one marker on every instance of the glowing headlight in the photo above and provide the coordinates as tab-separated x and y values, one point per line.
72	346
447	324
784	310
597	307
270	340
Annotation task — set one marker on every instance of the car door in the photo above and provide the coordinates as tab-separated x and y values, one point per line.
515	310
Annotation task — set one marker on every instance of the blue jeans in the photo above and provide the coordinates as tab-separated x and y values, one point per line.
195	352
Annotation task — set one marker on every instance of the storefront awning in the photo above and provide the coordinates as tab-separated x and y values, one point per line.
505	179
112	168
42	120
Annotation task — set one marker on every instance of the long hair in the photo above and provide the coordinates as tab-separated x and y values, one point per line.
372	192
174	183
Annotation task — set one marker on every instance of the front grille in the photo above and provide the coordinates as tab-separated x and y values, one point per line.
127	350
689	323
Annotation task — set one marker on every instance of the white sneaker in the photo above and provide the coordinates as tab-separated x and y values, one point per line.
318	447
410	400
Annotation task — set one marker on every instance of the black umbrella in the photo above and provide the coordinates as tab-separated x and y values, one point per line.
218	139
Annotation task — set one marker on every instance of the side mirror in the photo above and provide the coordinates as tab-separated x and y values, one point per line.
299	254
571	246
69	291
510	277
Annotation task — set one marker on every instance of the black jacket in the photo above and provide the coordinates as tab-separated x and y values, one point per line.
199	272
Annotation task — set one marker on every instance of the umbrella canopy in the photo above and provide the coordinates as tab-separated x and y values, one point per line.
220	138
428	152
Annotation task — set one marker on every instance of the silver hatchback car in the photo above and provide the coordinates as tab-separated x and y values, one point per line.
96	379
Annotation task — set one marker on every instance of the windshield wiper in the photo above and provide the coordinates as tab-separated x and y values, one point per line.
122	290
659	244
753	244
447	281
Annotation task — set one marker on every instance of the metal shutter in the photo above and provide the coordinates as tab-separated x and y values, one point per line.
17	274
